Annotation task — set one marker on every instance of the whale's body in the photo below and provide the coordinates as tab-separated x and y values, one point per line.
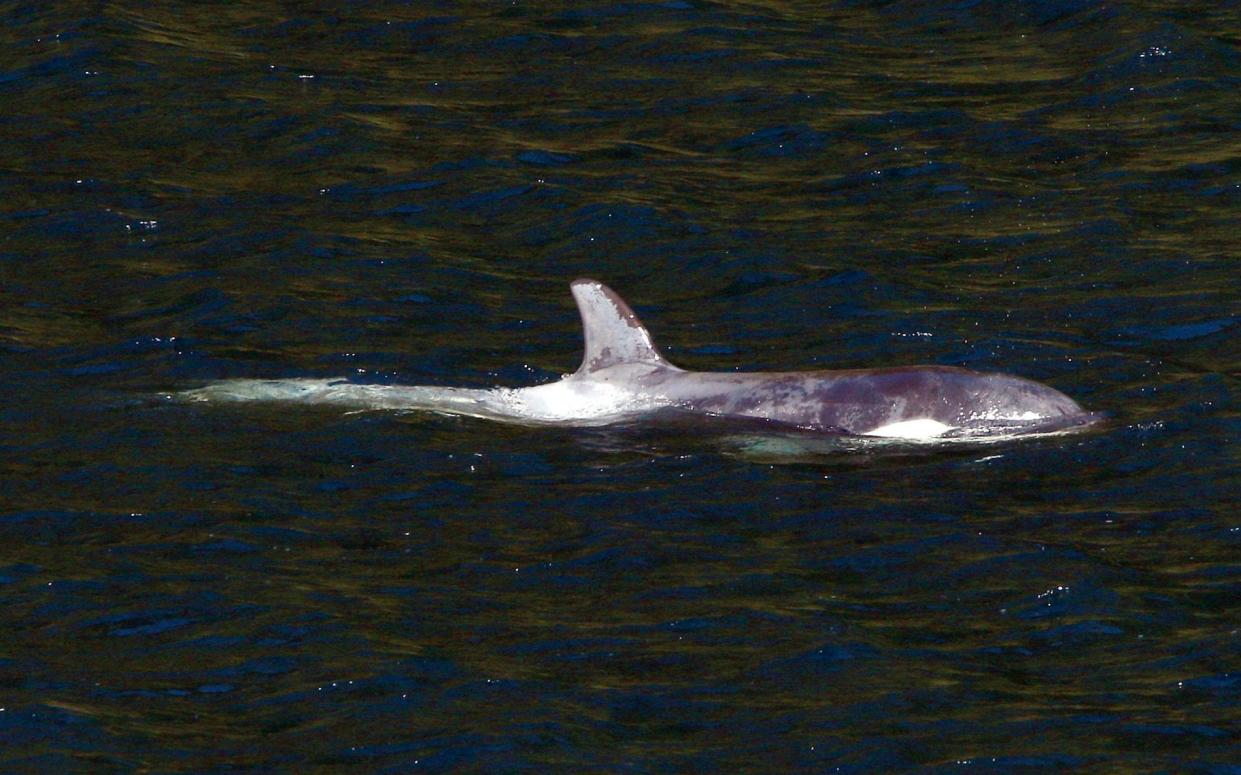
623	378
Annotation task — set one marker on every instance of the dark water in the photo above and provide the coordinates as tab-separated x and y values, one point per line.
401	192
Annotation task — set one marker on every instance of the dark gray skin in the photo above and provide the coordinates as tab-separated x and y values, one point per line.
861	401
623	378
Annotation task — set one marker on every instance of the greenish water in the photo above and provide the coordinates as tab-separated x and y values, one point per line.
401	193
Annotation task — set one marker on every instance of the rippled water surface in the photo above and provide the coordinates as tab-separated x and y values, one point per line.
401	192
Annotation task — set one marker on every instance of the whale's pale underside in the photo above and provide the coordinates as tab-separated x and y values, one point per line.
624	379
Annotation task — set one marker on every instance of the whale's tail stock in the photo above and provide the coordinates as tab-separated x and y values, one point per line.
311	391
348	395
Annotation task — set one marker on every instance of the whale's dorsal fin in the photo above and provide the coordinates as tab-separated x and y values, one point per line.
614	335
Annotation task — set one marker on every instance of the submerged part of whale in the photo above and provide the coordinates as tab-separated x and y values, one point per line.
623	378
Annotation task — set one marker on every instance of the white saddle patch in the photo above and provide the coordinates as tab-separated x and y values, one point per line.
925	428
587	401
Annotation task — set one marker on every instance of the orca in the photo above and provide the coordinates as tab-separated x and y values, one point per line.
624	379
